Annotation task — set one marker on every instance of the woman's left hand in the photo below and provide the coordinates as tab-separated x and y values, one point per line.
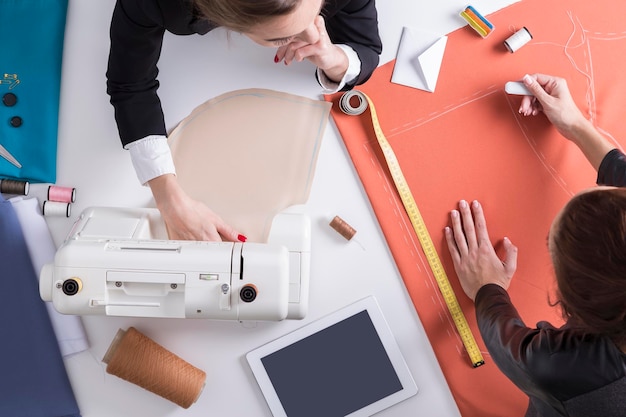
315	45
475	260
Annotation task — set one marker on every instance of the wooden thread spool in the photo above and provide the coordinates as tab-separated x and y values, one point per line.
136	358
343	228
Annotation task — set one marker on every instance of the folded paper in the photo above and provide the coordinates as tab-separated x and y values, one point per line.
419	59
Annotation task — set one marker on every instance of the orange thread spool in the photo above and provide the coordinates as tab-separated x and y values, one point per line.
136	358
343	228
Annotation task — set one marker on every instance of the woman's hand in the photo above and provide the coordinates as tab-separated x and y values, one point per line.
315	45
552	97
475	260
186	218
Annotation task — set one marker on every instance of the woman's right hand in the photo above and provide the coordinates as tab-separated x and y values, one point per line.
186	218
552	97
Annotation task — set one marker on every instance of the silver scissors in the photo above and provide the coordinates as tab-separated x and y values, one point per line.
7	155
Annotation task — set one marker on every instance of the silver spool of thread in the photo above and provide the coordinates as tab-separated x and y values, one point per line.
518	39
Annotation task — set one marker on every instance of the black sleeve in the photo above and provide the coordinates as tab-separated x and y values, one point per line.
136	39
355	23
505	334
612	169
550	365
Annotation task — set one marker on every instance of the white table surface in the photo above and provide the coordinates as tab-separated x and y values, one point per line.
192	70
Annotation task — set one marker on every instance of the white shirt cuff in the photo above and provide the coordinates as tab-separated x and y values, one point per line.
151	157
354	69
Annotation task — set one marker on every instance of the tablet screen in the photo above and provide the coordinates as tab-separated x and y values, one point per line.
336	370
333	372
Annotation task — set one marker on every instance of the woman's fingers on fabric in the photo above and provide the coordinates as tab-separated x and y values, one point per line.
510	257
212	235
480	223
468	224
454	250
227	232
459	235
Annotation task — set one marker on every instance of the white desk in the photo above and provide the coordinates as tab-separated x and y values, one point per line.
194	69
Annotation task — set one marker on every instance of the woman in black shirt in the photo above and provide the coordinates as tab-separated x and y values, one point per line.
580	368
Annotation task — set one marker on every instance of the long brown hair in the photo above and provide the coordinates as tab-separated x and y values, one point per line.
589	254
241	15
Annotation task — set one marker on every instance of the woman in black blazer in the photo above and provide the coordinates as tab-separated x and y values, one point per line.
339	36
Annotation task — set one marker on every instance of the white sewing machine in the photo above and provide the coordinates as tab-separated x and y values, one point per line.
118	262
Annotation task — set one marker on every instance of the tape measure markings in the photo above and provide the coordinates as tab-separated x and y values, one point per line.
419	225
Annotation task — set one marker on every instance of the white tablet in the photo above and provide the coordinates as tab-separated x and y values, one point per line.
344	364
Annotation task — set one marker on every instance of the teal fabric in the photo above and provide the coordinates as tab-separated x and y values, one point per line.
31	33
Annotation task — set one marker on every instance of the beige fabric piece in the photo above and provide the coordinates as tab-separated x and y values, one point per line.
249	154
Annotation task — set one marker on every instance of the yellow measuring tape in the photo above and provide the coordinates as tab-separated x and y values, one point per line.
418	224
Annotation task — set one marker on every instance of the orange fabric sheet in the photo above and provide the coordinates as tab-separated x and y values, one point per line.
467	141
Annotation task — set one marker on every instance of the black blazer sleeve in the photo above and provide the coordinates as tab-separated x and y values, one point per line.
355	23
136	39
137	29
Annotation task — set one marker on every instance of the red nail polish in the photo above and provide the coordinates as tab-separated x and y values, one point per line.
276	59
241	238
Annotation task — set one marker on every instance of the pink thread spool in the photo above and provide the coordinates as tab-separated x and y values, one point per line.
61	194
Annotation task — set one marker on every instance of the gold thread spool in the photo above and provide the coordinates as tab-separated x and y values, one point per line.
136	358
343	228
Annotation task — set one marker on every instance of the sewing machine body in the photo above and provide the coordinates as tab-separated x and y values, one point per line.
118	262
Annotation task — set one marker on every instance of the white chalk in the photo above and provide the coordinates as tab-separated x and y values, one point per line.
517	88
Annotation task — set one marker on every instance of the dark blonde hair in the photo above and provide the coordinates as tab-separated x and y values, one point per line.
241	15
589	255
